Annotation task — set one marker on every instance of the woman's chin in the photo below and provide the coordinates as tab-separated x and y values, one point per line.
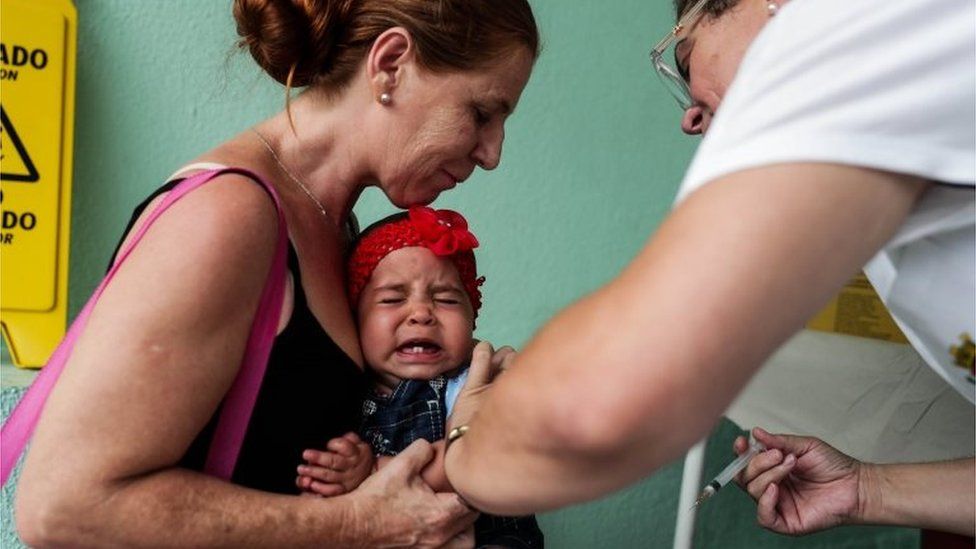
404	202
425	200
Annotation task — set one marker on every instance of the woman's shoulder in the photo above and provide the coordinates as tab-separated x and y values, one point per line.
230	220
231	206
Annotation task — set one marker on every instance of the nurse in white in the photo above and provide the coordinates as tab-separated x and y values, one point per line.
846	139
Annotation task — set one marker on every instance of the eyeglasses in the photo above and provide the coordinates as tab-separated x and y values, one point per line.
670	77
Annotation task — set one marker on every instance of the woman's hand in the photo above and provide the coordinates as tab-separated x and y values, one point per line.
486	365
801	484
339	469
406	511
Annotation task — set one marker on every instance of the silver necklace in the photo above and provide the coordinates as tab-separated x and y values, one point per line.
289	174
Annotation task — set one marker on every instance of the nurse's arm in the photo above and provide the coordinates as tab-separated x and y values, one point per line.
937	496
625	380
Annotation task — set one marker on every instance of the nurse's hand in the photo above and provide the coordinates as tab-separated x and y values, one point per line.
801	484
486	365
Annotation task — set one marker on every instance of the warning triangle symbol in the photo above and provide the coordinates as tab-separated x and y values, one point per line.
15	163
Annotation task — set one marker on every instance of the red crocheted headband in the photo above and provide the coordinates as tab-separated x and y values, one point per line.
444	232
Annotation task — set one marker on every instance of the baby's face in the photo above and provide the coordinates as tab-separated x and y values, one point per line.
415	319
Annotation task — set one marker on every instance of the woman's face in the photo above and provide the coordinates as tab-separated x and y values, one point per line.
445	125
710	56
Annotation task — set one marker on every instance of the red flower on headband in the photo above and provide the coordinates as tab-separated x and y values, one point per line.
444	232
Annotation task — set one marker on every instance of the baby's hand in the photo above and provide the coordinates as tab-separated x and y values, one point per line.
339	469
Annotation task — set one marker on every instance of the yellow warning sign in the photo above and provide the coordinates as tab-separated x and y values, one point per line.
37	81
858	310
14	160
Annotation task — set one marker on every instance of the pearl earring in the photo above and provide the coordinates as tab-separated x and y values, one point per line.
772	8
385	98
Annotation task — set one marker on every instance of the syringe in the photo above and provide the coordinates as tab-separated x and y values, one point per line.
731	471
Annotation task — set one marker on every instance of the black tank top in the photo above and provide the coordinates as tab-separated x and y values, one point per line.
312	392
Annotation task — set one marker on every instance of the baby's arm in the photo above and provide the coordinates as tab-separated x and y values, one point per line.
348	460
433	473
339	469
332	473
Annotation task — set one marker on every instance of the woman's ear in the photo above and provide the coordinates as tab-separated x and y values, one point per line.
390	52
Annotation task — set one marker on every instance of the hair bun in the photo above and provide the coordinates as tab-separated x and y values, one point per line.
282	34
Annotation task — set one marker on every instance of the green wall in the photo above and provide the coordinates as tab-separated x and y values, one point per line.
592	159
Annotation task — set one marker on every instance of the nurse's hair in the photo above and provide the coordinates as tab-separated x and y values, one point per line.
322	42
714	8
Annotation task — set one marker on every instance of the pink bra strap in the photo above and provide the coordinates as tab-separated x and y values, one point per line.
239	401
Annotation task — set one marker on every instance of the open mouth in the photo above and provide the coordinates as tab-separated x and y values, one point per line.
419	347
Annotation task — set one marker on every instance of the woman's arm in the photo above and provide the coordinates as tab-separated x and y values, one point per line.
623	381
159	352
